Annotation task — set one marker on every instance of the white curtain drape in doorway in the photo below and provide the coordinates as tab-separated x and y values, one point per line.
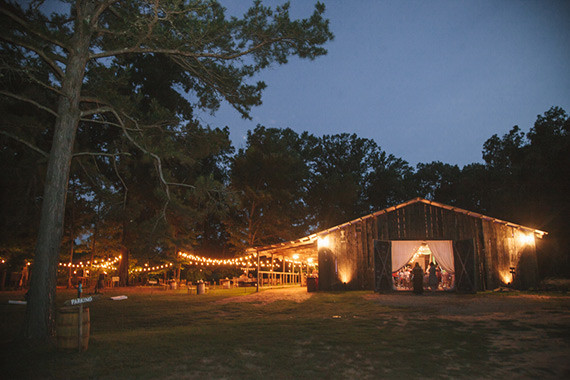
402	252
443	252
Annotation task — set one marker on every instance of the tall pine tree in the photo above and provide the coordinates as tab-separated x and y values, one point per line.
84	51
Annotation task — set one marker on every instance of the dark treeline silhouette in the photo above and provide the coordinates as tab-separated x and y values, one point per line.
283	185
290	184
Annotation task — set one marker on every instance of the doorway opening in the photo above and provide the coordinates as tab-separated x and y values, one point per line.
435	257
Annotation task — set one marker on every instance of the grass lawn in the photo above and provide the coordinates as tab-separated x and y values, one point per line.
173	334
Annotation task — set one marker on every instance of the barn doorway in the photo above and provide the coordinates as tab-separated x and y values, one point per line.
395	259
433	253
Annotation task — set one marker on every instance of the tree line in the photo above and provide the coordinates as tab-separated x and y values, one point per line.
281	186
285	185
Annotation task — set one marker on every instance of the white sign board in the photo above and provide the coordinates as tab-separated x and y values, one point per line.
78	301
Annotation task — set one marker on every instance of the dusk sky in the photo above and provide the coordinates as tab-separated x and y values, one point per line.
427	80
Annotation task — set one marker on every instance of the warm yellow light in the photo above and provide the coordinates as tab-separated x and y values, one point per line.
323	242
526	239
424	250
344	276
310	260
506	277
295	257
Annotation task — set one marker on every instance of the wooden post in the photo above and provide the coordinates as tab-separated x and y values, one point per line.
257	290
72	243
80	335
294	276
94	236
271	270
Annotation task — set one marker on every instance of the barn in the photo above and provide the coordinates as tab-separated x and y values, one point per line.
472	251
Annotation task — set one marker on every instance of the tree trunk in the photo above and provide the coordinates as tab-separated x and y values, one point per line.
177	267
72	243
124	263
40	312
3	281
93	248
124	267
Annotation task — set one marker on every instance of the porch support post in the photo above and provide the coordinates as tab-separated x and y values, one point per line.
257	252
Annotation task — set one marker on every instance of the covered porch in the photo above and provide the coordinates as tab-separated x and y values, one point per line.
288	263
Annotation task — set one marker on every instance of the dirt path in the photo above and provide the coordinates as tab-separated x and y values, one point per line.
296	294
523	308
532	329
528	333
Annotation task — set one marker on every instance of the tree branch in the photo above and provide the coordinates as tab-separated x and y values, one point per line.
89	99
26	143
135	49
101	154
31	30
102	8
24	99
158	160
158	165
122	181
51	62
96	110
28	74
89	177
105	122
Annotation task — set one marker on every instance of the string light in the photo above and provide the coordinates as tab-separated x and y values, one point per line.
148	268
241	261
107	264
201	260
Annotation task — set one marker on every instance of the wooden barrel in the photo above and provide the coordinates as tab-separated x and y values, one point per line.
67	328
312	284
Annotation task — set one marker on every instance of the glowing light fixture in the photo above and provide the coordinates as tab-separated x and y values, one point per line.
506	276
526	239
424	249
323	242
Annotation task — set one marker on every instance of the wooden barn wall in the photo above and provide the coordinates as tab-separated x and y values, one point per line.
505	249
496	245
350	253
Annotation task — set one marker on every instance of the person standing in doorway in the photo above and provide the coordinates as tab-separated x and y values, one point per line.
432	280
418	278
79	289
